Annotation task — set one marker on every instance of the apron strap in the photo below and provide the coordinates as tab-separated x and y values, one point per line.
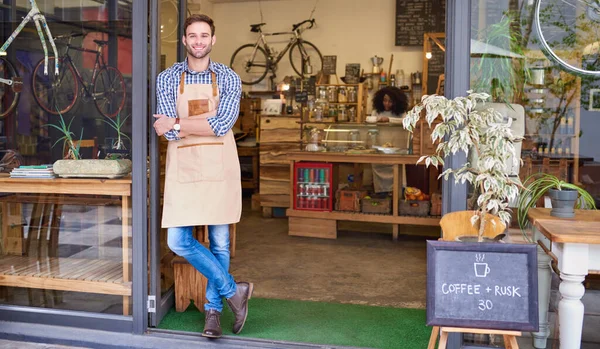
182	83
214	83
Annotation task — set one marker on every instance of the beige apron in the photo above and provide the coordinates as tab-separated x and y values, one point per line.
203	179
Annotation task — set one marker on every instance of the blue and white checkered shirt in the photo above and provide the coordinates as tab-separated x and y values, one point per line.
230	91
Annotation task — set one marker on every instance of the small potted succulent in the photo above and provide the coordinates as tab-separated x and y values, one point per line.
467	125
564	196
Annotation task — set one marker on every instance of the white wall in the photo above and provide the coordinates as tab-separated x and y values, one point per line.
354	30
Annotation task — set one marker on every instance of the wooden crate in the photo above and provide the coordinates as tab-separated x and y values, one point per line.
349	200
376	205
418	208
279	135
313	227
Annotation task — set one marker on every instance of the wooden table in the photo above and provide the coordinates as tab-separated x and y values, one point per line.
68	274
575	244
302	221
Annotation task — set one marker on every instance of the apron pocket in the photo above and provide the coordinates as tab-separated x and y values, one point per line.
200	162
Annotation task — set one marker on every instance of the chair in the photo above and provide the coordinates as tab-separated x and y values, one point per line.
458	223
85	143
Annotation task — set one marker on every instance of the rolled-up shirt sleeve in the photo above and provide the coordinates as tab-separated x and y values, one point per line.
165	95
229	104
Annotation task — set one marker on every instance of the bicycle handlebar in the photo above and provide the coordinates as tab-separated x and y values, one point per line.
67	36
297	25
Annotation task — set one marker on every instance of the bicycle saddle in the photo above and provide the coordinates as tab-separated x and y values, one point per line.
255	28
101	42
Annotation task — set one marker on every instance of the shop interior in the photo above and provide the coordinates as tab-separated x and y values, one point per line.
326	250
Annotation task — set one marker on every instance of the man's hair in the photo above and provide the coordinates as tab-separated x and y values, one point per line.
399	100
199	18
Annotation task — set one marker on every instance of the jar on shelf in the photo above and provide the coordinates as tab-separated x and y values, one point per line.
342	94
352	113
332	94
314	139
353	138
372	138
352	96
342	113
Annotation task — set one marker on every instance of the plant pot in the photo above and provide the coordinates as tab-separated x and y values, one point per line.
563	202
89	168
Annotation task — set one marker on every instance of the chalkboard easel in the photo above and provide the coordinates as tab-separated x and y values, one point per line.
486	288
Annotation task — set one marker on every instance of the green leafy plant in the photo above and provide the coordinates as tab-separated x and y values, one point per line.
67	138
464	127
500	69
536	187
117	125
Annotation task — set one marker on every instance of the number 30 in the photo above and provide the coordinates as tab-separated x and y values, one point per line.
485	304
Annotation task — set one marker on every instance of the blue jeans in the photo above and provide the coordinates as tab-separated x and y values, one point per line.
213	264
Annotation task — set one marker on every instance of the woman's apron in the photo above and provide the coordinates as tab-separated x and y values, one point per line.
203	179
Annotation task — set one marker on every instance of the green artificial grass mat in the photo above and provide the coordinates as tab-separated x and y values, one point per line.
318	323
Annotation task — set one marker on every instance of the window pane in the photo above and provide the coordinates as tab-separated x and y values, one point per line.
66	241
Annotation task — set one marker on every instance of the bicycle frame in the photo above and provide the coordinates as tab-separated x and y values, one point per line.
98	65
275	60
40	22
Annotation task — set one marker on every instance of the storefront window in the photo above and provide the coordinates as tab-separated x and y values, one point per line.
514	64
65	231
541	57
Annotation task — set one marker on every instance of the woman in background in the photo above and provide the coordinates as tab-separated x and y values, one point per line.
389	102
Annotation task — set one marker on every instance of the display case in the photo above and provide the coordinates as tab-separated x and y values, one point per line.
313	186
363	138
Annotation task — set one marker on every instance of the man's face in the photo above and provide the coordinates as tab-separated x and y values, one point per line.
198	40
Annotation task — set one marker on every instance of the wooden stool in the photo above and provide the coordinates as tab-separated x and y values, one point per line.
190	284
510	340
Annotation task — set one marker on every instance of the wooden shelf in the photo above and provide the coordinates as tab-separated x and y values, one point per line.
364	217
66	274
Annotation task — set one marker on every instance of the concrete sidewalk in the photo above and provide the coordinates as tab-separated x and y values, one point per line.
5	344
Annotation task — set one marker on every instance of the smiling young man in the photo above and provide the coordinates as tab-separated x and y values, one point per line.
198	103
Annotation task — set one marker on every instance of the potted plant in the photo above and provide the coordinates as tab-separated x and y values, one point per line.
563	195
466	125
74	166
118	150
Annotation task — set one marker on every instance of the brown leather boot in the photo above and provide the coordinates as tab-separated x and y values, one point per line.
212	324
239	304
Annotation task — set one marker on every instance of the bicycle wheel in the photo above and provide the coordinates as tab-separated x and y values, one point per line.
250	64
9	97
315	59
569	31
56	94
109	91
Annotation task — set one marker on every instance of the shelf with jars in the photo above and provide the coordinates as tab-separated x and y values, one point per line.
339	103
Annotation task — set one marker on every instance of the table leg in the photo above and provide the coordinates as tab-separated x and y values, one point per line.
573	262
125	232
544	280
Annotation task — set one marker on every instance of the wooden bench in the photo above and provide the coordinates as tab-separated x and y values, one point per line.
190	284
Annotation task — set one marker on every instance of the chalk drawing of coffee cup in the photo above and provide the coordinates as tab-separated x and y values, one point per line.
481	269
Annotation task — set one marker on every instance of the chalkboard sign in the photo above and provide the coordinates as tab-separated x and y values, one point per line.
417	17
435	67
301	96
329	65
482	285
352	74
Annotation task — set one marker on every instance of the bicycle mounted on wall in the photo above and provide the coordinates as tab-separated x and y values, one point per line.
10	82
58	95
252	62
106	86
